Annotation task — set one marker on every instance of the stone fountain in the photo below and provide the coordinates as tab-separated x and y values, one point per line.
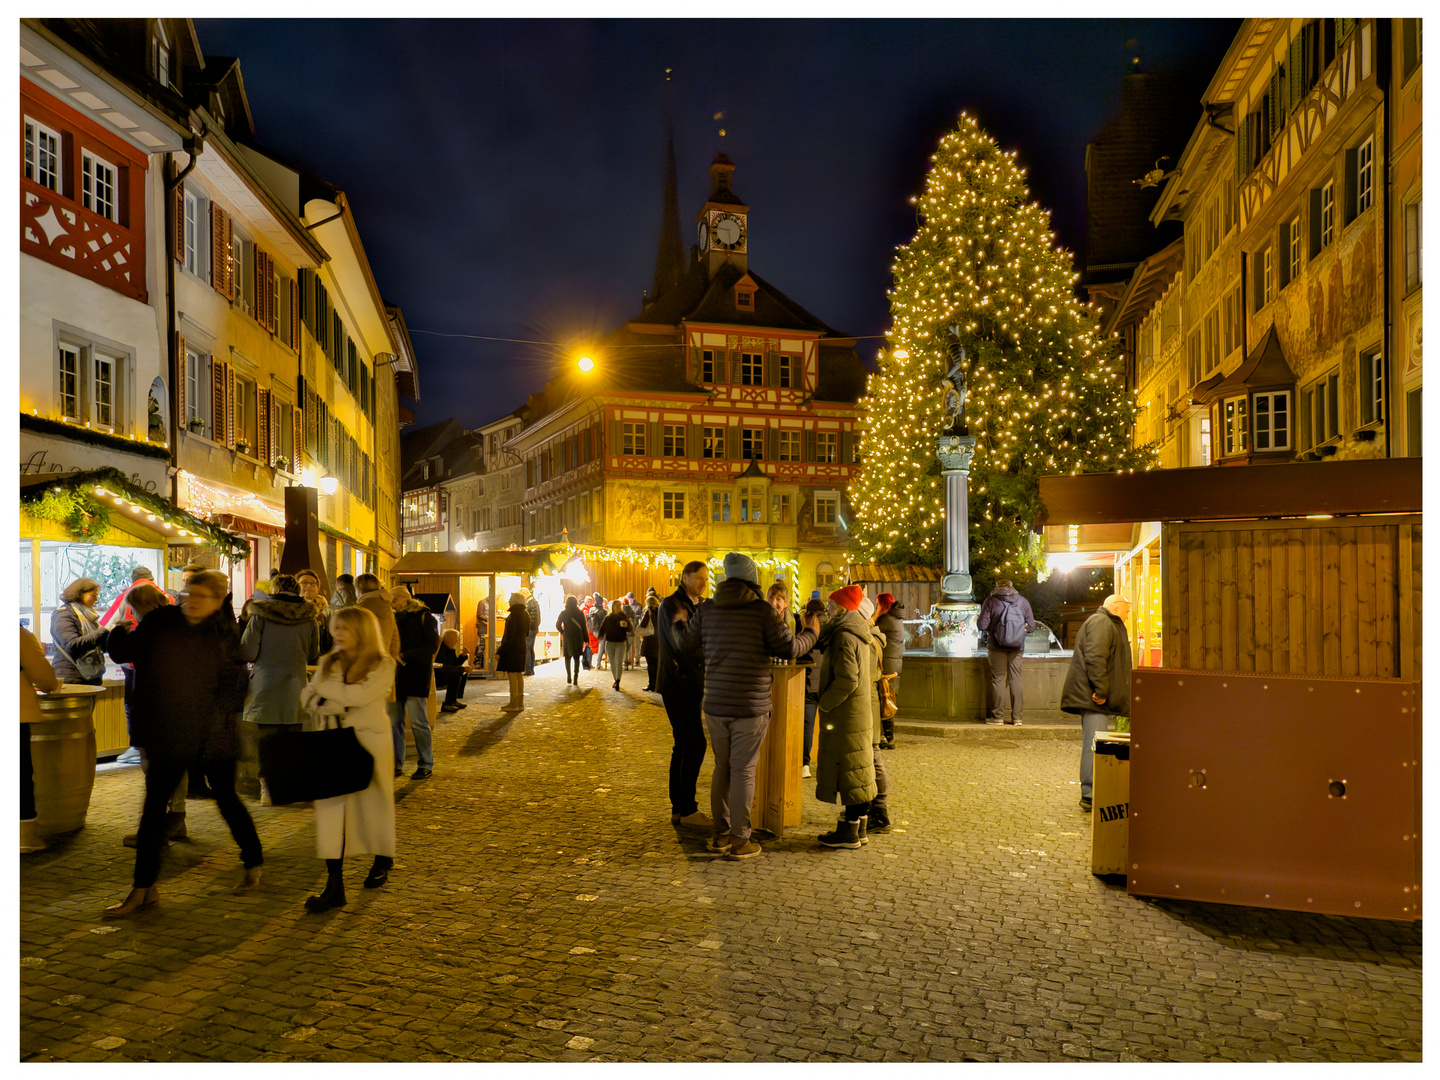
955	632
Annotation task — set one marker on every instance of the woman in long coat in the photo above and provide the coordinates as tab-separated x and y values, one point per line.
352	684
75	629
650	643
888	621
845	767
510	653
574	635
281	637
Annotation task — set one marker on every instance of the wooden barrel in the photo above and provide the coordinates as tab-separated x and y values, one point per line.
62	748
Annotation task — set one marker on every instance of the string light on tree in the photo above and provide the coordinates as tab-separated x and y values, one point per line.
1046	393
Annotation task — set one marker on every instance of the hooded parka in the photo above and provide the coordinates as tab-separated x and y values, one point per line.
281	637
510	653
419	641
849	729
1099	665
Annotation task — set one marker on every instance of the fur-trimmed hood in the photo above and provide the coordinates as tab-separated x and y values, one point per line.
284	608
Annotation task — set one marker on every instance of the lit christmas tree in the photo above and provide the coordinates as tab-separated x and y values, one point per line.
1046	394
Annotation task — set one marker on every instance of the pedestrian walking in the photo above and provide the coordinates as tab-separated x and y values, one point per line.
814	607
36	673
452	663
188	679
1007	616
78	636
187	574
598	611
510	653
346	592
281	637
587	650
1097	686
649	640
616	630
846	766
532	613
739	635
351	684
375	598
681	681
482	633
574	636
120	609
414	677
130	607
888	620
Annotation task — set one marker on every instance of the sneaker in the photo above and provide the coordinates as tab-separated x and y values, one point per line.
698	820
129	757
1015	723
420	774
995	722
1085	803
804	772
718	844
746	850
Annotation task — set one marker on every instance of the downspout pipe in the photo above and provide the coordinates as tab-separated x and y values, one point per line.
1383	66
193	146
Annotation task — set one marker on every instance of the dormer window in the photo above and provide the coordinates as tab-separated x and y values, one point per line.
745	300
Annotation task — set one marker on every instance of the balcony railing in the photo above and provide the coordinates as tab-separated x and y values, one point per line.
64	234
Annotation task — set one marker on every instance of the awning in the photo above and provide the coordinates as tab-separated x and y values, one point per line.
100	492
1147	284
1208	493
463	563
886	574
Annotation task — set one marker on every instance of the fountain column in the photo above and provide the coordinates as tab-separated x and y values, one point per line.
956	633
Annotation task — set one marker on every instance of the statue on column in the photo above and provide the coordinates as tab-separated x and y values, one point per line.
953	389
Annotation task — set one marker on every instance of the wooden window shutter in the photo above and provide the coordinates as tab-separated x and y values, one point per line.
1242	165
217	399
695	363
177	217
1277	102
847	453
179	367
261	449
274	450
1294	68
732	443
772	441
262	289
735	368
219	250
230	406
1352	166
294	341
694	440
297	437
616	443
772	368
809	445
1314	222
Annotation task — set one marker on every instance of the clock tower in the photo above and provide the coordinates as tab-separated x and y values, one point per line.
723	223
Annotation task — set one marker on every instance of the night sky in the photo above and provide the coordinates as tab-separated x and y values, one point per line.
507	176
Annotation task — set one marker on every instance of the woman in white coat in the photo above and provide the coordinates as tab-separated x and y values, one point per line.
352	683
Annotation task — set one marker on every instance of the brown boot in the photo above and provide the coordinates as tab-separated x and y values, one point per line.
138	900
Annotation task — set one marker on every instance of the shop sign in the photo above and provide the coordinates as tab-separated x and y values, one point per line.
43	454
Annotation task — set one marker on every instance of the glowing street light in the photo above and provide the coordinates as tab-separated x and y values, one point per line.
329	484
585	364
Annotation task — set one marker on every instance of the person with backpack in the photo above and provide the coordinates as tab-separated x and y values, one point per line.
1007	616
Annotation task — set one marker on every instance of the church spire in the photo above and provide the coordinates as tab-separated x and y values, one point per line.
670	259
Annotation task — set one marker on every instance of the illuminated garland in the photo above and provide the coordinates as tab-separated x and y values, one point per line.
561	554
1045	393
791	567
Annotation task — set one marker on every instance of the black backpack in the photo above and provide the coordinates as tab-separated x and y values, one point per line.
1008	631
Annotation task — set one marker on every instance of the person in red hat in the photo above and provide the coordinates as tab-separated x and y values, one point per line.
849	711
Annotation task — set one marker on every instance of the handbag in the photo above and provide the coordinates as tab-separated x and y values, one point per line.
90	665
888	706
302	766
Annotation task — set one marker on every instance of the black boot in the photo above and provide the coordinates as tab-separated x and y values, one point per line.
379	872
334	894
846	835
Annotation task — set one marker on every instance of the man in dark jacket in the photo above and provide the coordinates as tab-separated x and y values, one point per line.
681	682
419	641
738	634
532	611
1008	618
188	676
1097	685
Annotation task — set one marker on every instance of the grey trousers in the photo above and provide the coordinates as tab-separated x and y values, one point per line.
882	783
735	742
1091	724
1005	668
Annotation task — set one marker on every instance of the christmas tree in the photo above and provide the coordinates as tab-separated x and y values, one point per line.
1046	394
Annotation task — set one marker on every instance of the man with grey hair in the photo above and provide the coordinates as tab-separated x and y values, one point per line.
738	633
1097	685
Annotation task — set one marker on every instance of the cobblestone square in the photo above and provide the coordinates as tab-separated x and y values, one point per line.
542	908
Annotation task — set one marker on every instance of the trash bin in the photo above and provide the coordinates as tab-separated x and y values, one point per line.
62	748
1110	794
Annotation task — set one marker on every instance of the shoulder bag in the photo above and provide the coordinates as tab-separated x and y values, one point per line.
90	665
302	766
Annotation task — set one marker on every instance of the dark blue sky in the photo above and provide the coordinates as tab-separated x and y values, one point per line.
507	175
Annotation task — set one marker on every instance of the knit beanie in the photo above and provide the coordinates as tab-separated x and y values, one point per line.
849	597
141	573
884	602
743	567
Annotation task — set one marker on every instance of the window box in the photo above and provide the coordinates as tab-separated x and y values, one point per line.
282	463
242	447
1365	435
196	426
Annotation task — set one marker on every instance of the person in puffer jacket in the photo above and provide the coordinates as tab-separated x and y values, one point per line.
848	670
738	634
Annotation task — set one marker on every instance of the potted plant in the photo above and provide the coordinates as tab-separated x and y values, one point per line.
282	463
197	426
242	446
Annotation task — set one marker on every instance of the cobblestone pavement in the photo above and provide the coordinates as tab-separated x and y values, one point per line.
543	909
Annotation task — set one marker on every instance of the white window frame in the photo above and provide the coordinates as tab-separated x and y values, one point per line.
37	168
752	502
1414	249
192	233
1207	450
1370	385
707	365
99	193
827	508
197	387
779	509
1266	410
1235	426
1294	239
1267	270
1365	175
91	382
720	506
792	445
1327	214
632	438
756	437
827	447
246	403
71	362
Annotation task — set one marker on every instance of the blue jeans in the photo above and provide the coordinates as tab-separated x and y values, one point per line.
1091	724
414	708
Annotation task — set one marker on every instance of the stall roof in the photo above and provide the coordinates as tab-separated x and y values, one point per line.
1242	492
470	563
883	572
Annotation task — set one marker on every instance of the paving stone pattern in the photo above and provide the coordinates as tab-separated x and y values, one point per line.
543	909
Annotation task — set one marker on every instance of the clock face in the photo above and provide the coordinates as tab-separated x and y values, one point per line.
728	230
704	236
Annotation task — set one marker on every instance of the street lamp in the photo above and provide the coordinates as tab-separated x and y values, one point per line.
585	364
329	484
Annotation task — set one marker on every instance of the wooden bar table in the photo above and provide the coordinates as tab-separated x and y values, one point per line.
777	773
